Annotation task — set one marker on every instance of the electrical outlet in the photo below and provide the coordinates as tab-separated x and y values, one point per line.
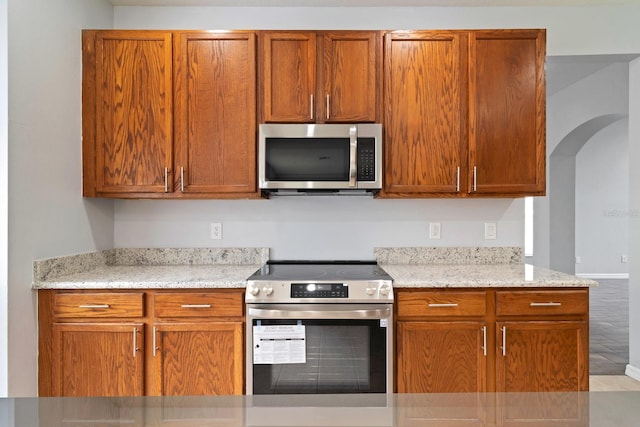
578	260
434	230
623	259
490	231
216	230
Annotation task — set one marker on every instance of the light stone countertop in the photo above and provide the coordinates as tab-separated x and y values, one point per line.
480	276
154	277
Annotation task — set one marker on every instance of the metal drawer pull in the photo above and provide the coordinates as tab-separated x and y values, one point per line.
311	112
504	340
443	305
328	106
94	306
545	304
196	306
154	343
458	179
135	341
484	340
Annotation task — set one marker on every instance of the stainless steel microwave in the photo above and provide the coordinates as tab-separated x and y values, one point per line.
317	157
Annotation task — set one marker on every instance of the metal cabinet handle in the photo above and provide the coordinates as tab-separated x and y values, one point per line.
353	153
504	340
154	342
196	306
545	304
94	306
328	106
311	106
475	179
182	178
443	305
458	179
484	340
166	180
135	342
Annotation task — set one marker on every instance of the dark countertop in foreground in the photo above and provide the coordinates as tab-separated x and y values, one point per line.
594	409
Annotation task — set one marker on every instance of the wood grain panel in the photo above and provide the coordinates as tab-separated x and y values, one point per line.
351	73
98	359
134	115
98	305
542	356
542	303
204	304
215	101
287	76
440	357
507	111
199	358
440	303
424	94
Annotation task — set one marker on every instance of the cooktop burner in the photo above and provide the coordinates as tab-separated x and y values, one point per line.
324	271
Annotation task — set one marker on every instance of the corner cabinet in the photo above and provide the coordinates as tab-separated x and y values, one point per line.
464	113
504	340
169	114
319	77
153	342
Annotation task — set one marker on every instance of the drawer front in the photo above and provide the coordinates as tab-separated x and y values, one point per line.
536	303
206	304
441	303
98	304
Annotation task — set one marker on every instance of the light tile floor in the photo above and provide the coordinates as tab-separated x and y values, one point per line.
613	383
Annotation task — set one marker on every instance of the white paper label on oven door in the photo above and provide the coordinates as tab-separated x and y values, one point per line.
276	344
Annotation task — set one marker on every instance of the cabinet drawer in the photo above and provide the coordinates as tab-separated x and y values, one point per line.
535	303
98	304
207	304
441	304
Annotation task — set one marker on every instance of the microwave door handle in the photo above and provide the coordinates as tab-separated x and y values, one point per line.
353	140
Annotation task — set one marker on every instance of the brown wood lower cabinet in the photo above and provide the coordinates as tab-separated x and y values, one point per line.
505	340
123	343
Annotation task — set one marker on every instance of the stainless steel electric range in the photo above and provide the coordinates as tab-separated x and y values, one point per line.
319	328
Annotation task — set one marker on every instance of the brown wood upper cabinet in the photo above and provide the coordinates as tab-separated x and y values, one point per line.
318	77
464	113
151	95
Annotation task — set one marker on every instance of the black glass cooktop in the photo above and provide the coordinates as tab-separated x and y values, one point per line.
320	270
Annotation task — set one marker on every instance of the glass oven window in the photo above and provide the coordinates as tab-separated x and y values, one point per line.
307	159
342	356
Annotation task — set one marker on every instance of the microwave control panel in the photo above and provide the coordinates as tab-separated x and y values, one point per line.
366	159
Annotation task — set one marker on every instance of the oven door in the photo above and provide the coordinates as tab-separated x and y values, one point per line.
319	348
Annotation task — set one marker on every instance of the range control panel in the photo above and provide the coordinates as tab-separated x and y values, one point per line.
319	290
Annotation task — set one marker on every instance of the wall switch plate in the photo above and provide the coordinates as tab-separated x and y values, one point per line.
623	259
578	260
434	230
490	231
216	230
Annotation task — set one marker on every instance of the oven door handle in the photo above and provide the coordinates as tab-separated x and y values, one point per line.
267	313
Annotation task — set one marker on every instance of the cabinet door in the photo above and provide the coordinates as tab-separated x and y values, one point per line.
288	76
550	356
425	95
98	359
203	358
441	357
215	96
507	111
351	64
132	112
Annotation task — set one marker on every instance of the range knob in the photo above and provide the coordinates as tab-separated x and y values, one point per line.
267	290
370	291
254	290
385	289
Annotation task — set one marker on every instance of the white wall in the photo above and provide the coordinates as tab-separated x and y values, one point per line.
321	227
47	215
602	202
634	222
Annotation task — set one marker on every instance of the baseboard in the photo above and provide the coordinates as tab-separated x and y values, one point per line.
603	275
632	372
